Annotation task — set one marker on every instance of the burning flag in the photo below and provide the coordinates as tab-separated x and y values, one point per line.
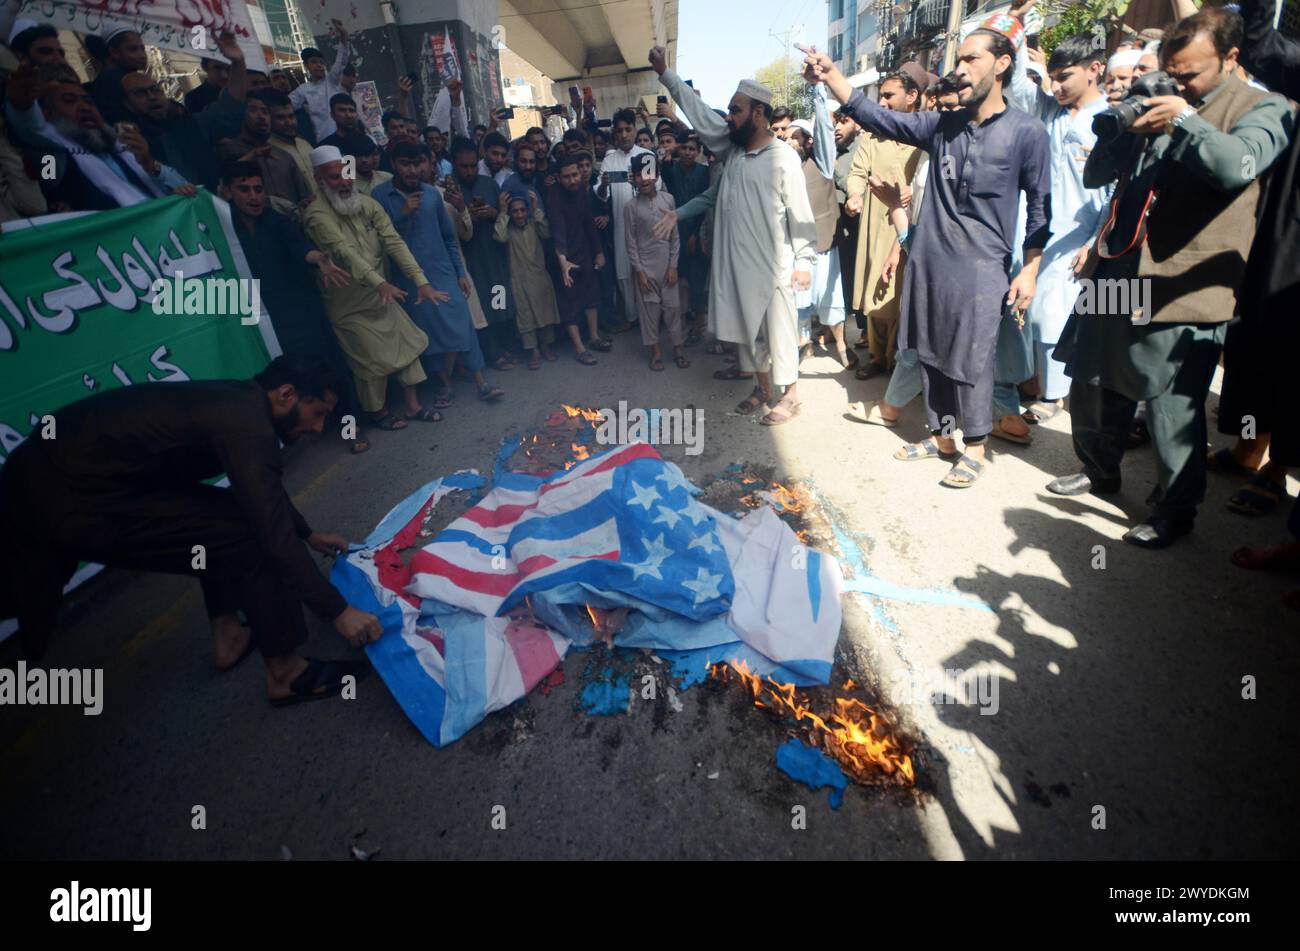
616	549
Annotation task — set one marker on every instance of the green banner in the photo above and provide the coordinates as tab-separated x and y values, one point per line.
77	312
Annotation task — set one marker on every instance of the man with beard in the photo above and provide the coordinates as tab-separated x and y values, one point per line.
421	218
124	485
765	238
523	182
124	52
377	336
875	283
93	169
981	159
282	180
182	140
284	133
347	123
287	269
316	94
1119	73
573	232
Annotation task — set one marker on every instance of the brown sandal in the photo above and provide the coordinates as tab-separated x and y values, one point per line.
781	413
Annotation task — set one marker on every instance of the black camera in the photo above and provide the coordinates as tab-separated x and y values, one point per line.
1119	117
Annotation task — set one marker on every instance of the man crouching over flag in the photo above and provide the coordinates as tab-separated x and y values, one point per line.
122	482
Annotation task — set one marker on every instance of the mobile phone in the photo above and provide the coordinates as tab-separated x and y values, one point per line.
662	99
573	92
507	113
617	177
413	77
604	123
1032	42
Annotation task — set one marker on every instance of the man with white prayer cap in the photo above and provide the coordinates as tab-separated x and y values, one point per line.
378	338
1120	73
764	238
122	51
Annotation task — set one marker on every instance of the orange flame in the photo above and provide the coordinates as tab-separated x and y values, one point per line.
580	452
590	415
855	736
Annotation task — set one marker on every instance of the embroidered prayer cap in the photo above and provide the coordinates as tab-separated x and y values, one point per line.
755	90
324	154
112	31
20	26
1008	26
1123	58
803	124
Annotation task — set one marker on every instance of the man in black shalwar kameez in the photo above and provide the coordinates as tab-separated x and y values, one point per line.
121	480
982	156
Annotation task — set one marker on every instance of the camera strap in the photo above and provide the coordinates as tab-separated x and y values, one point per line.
1139	228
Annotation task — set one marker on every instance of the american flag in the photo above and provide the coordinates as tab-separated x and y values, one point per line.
621	529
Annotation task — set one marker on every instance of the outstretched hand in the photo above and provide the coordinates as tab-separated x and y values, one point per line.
431	294
665	225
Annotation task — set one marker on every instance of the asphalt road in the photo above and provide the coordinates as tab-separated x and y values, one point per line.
1117	687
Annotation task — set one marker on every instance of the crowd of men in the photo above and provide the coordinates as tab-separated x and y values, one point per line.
965	225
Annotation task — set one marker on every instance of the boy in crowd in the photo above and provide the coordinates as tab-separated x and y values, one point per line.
653	262
522	228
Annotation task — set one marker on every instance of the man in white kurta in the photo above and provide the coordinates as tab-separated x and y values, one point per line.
616	187
764	237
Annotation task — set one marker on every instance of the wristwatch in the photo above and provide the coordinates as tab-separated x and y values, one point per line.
1178	120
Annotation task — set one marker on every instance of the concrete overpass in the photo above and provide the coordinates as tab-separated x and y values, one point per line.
596	43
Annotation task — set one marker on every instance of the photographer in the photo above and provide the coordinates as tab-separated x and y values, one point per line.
1190	157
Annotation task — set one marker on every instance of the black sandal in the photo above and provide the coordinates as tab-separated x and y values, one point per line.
425	416
1225	463
753	401
682	362
1260	496
732	373
600	344
388	422
586	358
321	679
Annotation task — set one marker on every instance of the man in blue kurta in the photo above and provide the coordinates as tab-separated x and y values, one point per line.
982	157
421	218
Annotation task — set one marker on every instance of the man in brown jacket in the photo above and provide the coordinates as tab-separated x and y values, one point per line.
1150	321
